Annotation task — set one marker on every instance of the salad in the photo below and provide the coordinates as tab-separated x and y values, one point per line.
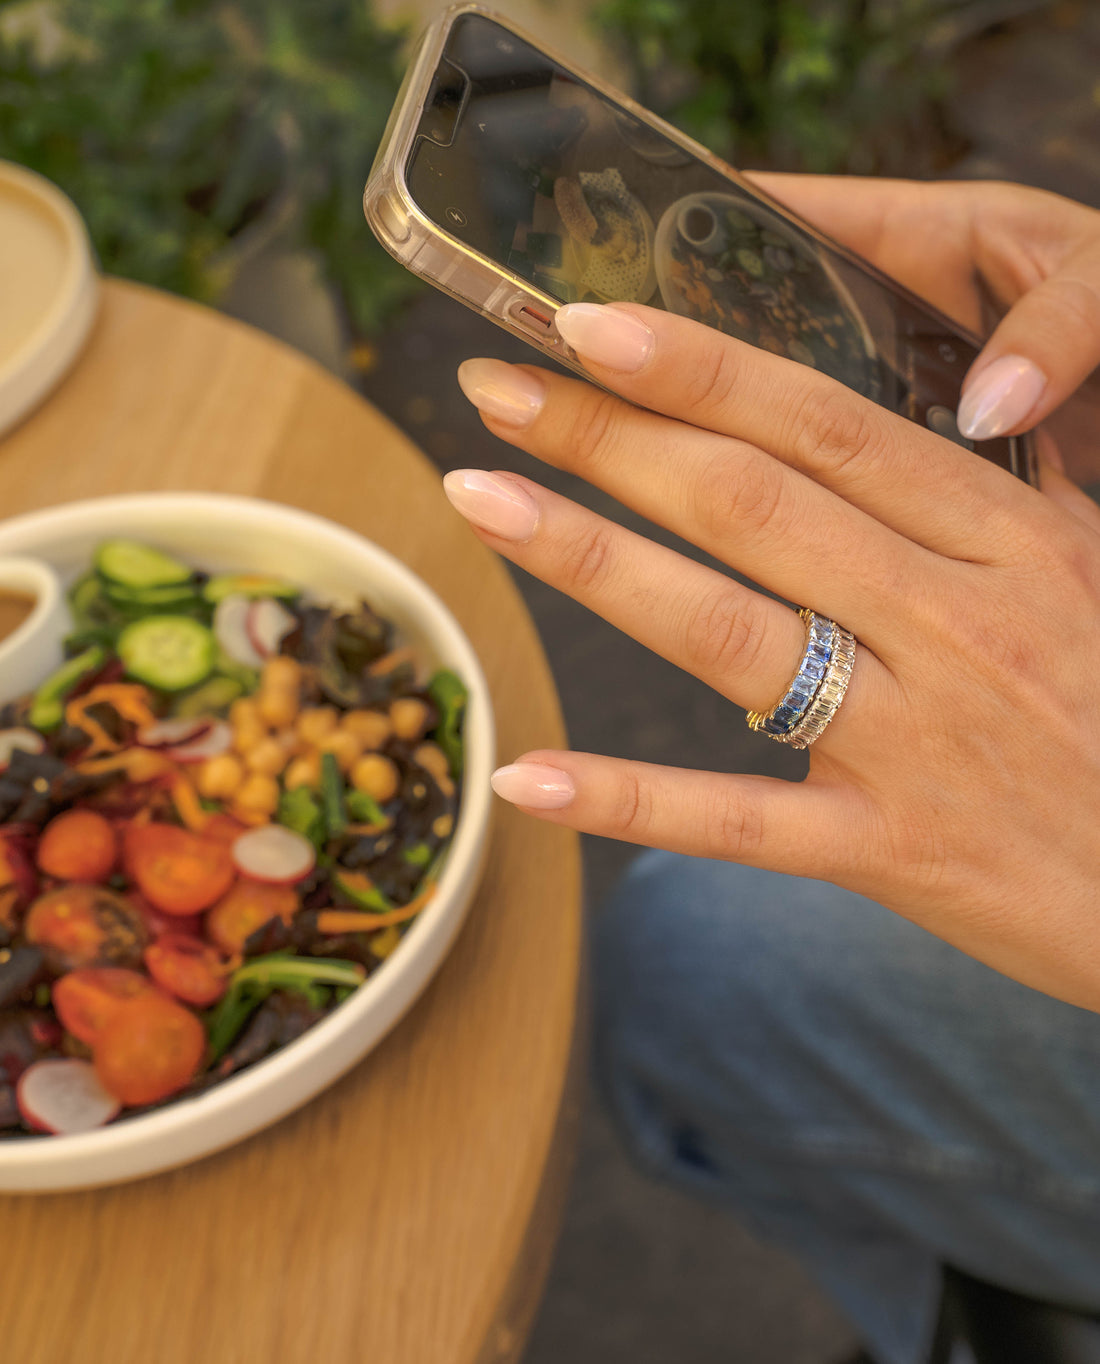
217	818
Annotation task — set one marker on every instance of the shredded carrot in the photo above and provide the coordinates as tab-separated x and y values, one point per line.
393	659
351	921
188	806
139	764
130	700
369	830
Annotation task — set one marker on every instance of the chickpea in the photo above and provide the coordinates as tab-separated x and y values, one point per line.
376	776
303	771
281	672
269	756
249	735
409	717
370	727
278	705
258	794
316	723
344	747
243	712
220	776
443	826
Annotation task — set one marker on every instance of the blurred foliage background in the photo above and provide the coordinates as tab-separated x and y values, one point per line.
854	86
191	132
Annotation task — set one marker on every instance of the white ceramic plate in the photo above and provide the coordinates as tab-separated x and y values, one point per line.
48	289
219	533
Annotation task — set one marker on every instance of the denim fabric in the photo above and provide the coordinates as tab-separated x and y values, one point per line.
851	1088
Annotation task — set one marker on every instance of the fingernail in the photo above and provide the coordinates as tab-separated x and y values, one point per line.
608	336
494	502
534	786
1000	397
511	395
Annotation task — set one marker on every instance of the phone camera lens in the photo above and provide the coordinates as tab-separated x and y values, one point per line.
456	216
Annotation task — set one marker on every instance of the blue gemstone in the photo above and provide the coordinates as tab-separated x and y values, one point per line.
813	668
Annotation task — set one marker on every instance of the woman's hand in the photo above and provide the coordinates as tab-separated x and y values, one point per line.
959	783
1020	263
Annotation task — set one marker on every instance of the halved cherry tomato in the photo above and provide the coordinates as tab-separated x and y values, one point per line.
248	906
177	871
223	828
79	845
150	1048
159	923
86	999
188	968
82	925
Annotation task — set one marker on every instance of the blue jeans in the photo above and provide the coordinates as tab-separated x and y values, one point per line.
851	1088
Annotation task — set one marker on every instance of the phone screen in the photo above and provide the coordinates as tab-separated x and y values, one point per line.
533	168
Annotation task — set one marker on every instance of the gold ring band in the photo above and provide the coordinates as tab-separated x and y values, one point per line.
804	711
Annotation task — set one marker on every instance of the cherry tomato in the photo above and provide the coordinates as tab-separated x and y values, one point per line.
223	828
89	997
78	845
159	923
149	1049
188	968
82	925
248	906
178	872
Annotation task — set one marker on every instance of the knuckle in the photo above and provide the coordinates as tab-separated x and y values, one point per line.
733	828
592	432
631	814
1077	297
722	636
586	561
835	432
711	381
746	490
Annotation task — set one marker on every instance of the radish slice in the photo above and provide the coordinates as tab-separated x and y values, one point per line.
172	733
63	1096
27	740
268	623
274	853
214	738
231	630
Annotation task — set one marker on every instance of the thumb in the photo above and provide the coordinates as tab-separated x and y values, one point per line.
1043	349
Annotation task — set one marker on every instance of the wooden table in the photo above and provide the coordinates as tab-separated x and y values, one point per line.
407	1215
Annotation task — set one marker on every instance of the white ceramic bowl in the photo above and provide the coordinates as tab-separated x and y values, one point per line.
33	649
220	533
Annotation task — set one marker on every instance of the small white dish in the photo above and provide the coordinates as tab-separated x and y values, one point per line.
33	649
49	289
222	534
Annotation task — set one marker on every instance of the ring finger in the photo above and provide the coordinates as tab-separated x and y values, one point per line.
744	645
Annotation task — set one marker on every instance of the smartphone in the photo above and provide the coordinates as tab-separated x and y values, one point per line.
517	183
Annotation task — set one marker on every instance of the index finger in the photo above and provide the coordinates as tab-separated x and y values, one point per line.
920	485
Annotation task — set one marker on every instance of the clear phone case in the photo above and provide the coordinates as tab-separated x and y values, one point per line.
517	303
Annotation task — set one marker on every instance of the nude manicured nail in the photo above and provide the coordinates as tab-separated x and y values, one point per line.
534	786
505	392
494	502
607	336
1000	397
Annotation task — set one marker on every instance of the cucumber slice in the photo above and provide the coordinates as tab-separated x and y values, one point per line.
136	565
249	585
169	652
162	599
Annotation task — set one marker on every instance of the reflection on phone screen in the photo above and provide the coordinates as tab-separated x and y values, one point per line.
534	169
